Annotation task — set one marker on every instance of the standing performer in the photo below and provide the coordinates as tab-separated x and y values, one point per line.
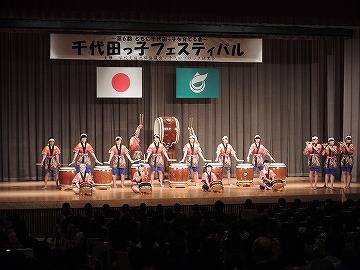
192	151
266	176
347	160
117	154
330	151
135	144
313	151
155	150
82	151
82	177
51	154
223	153
140	176
208	177
258	151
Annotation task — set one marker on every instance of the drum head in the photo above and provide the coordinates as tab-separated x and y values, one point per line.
102	168
67	169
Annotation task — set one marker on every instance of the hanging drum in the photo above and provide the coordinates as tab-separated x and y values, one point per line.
168	128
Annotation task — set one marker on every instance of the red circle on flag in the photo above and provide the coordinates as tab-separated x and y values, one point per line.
120	82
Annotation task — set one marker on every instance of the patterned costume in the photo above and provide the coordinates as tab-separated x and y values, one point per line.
156	150
81	178
267	176
51	162
135	148
83	151
119	156
192	154
347	152
330	153
258	151
313	151
225	151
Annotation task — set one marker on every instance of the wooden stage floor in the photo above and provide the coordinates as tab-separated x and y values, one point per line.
29	195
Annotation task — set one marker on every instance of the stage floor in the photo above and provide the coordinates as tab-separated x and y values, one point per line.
29	195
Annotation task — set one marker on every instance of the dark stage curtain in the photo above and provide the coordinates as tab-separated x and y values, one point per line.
305	86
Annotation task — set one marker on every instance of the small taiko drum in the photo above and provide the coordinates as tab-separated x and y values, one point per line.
277	184
217	168
102	175
145	188
216	186
178	175
135	168
169	129
66	176
279	169
86	189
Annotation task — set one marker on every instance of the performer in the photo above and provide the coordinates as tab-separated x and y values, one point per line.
223	153
155	150
192	151
50	155
117	154
258	151
347	160
140	176
82	177
208	177
313	150
266	176
330	151
82	151
135	145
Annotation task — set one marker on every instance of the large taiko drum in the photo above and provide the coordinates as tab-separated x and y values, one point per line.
244	172
217	168
178	175
102	175
216	186
279	169
66	175
135	168
169	129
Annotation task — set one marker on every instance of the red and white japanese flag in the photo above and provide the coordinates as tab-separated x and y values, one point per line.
119	82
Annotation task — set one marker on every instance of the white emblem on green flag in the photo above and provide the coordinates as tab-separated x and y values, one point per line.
197	83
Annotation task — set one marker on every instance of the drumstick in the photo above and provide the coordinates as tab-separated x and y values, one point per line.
38	164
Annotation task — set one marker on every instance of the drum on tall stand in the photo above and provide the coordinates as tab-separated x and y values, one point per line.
280	171
244	175
66	175
103	177
178	175
168	129
217	168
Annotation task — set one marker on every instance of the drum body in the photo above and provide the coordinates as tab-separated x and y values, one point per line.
244	172
217	169
86	189
277	184
102	175
168	128
66	175
145	188
134	169
178	175
216	186
279	169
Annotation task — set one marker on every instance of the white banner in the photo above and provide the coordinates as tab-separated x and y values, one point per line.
119	82
155	48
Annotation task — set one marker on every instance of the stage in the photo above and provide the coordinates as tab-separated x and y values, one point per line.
29	195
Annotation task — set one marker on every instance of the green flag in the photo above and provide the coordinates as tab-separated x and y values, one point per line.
197	83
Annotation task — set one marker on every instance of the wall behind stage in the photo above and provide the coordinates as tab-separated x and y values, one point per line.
297	91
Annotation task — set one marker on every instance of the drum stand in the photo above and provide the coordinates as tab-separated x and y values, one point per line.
244	183
65	187
103	186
